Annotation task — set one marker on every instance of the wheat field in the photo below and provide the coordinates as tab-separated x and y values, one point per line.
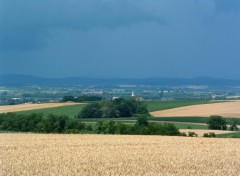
55	154
25	107
225	109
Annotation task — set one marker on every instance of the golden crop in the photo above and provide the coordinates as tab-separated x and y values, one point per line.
25	107
55	154
225	109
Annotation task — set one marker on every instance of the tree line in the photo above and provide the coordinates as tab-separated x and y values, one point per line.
63	124
36	122
114	108
82	98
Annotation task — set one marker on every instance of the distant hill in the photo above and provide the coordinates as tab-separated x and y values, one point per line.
22	80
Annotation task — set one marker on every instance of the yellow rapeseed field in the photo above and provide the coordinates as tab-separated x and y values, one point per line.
55	154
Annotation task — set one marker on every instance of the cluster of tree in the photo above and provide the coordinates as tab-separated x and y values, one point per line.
217	122
141	127
83	98
112	109
38	123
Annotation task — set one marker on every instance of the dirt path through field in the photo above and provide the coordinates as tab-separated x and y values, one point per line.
225	109
24	107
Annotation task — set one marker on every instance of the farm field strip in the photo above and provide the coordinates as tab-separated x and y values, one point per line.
157	105
225	109
70	111
177	125
58	154
200	132
230	135
25	107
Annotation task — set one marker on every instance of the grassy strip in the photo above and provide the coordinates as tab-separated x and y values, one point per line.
190	126
179	126
188	119
167	119
181	119
229	135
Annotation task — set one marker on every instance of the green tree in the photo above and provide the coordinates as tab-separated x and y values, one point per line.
123	107
107	110
106	127
68	98
92	110
216	122
138	107
234	124
122	128
142	121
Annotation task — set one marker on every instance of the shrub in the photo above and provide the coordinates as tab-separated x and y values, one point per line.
182	134
209	135
192	134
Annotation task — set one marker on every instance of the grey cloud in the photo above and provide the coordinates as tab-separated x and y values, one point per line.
104	37
26	24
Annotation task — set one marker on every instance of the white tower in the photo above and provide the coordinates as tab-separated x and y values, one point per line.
133	95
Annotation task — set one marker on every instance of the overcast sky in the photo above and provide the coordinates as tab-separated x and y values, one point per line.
120	38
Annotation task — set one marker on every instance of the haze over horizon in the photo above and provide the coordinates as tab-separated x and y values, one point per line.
122	39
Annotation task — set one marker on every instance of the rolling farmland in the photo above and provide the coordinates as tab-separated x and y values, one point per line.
185	122
53	154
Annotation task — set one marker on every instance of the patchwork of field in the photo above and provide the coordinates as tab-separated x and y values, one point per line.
55	154
26	107
225	109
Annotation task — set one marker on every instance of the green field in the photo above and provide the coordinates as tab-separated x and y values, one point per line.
229	135
70	110
181	119
73	110
163	105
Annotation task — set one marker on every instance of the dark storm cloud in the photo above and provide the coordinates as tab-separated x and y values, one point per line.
26	24
124	38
